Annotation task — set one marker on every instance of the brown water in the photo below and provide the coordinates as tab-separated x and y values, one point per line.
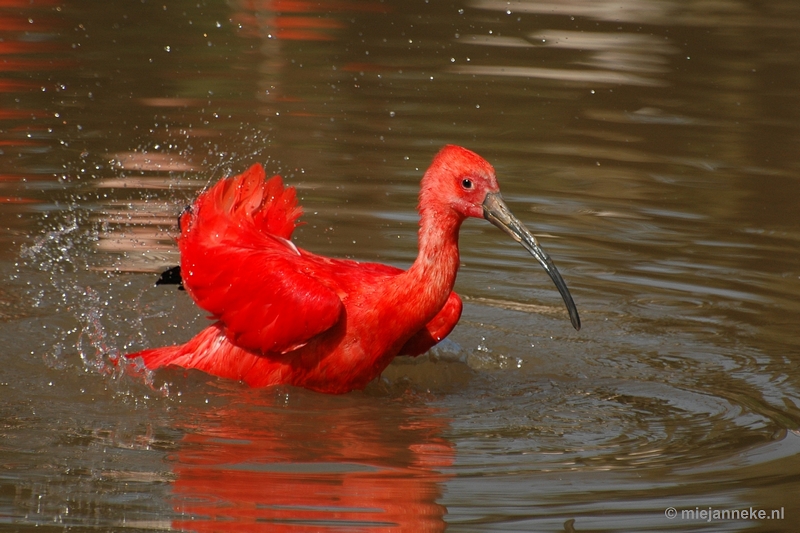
652	146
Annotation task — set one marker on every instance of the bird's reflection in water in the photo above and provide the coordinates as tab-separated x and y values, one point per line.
292	460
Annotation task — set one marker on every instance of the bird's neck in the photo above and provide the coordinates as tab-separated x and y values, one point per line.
430	279
438	243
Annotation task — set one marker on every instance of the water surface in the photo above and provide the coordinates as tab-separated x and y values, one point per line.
652	147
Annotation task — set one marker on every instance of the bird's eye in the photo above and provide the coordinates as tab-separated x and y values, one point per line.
466	183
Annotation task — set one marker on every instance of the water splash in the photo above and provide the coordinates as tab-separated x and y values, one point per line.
71	289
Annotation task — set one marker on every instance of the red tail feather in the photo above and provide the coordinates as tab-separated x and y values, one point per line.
158	357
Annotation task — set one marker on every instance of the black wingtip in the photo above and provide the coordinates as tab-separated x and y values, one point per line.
171	276
185	210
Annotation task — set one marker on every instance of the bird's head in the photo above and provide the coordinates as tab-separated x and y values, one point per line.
463	183
460	179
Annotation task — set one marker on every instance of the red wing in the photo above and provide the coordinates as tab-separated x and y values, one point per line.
238	264
437	329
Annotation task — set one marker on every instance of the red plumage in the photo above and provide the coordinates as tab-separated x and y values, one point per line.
285	315
270	298
234	245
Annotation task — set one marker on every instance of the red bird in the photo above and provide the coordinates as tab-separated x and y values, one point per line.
286	316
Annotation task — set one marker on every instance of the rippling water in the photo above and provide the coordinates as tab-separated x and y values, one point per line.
652	147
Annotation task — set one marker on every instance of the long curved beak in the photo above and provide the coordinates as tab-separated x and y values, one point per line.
496	211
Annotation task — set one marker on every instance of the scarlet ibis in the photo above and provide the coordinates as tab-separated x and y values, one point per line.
287	316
